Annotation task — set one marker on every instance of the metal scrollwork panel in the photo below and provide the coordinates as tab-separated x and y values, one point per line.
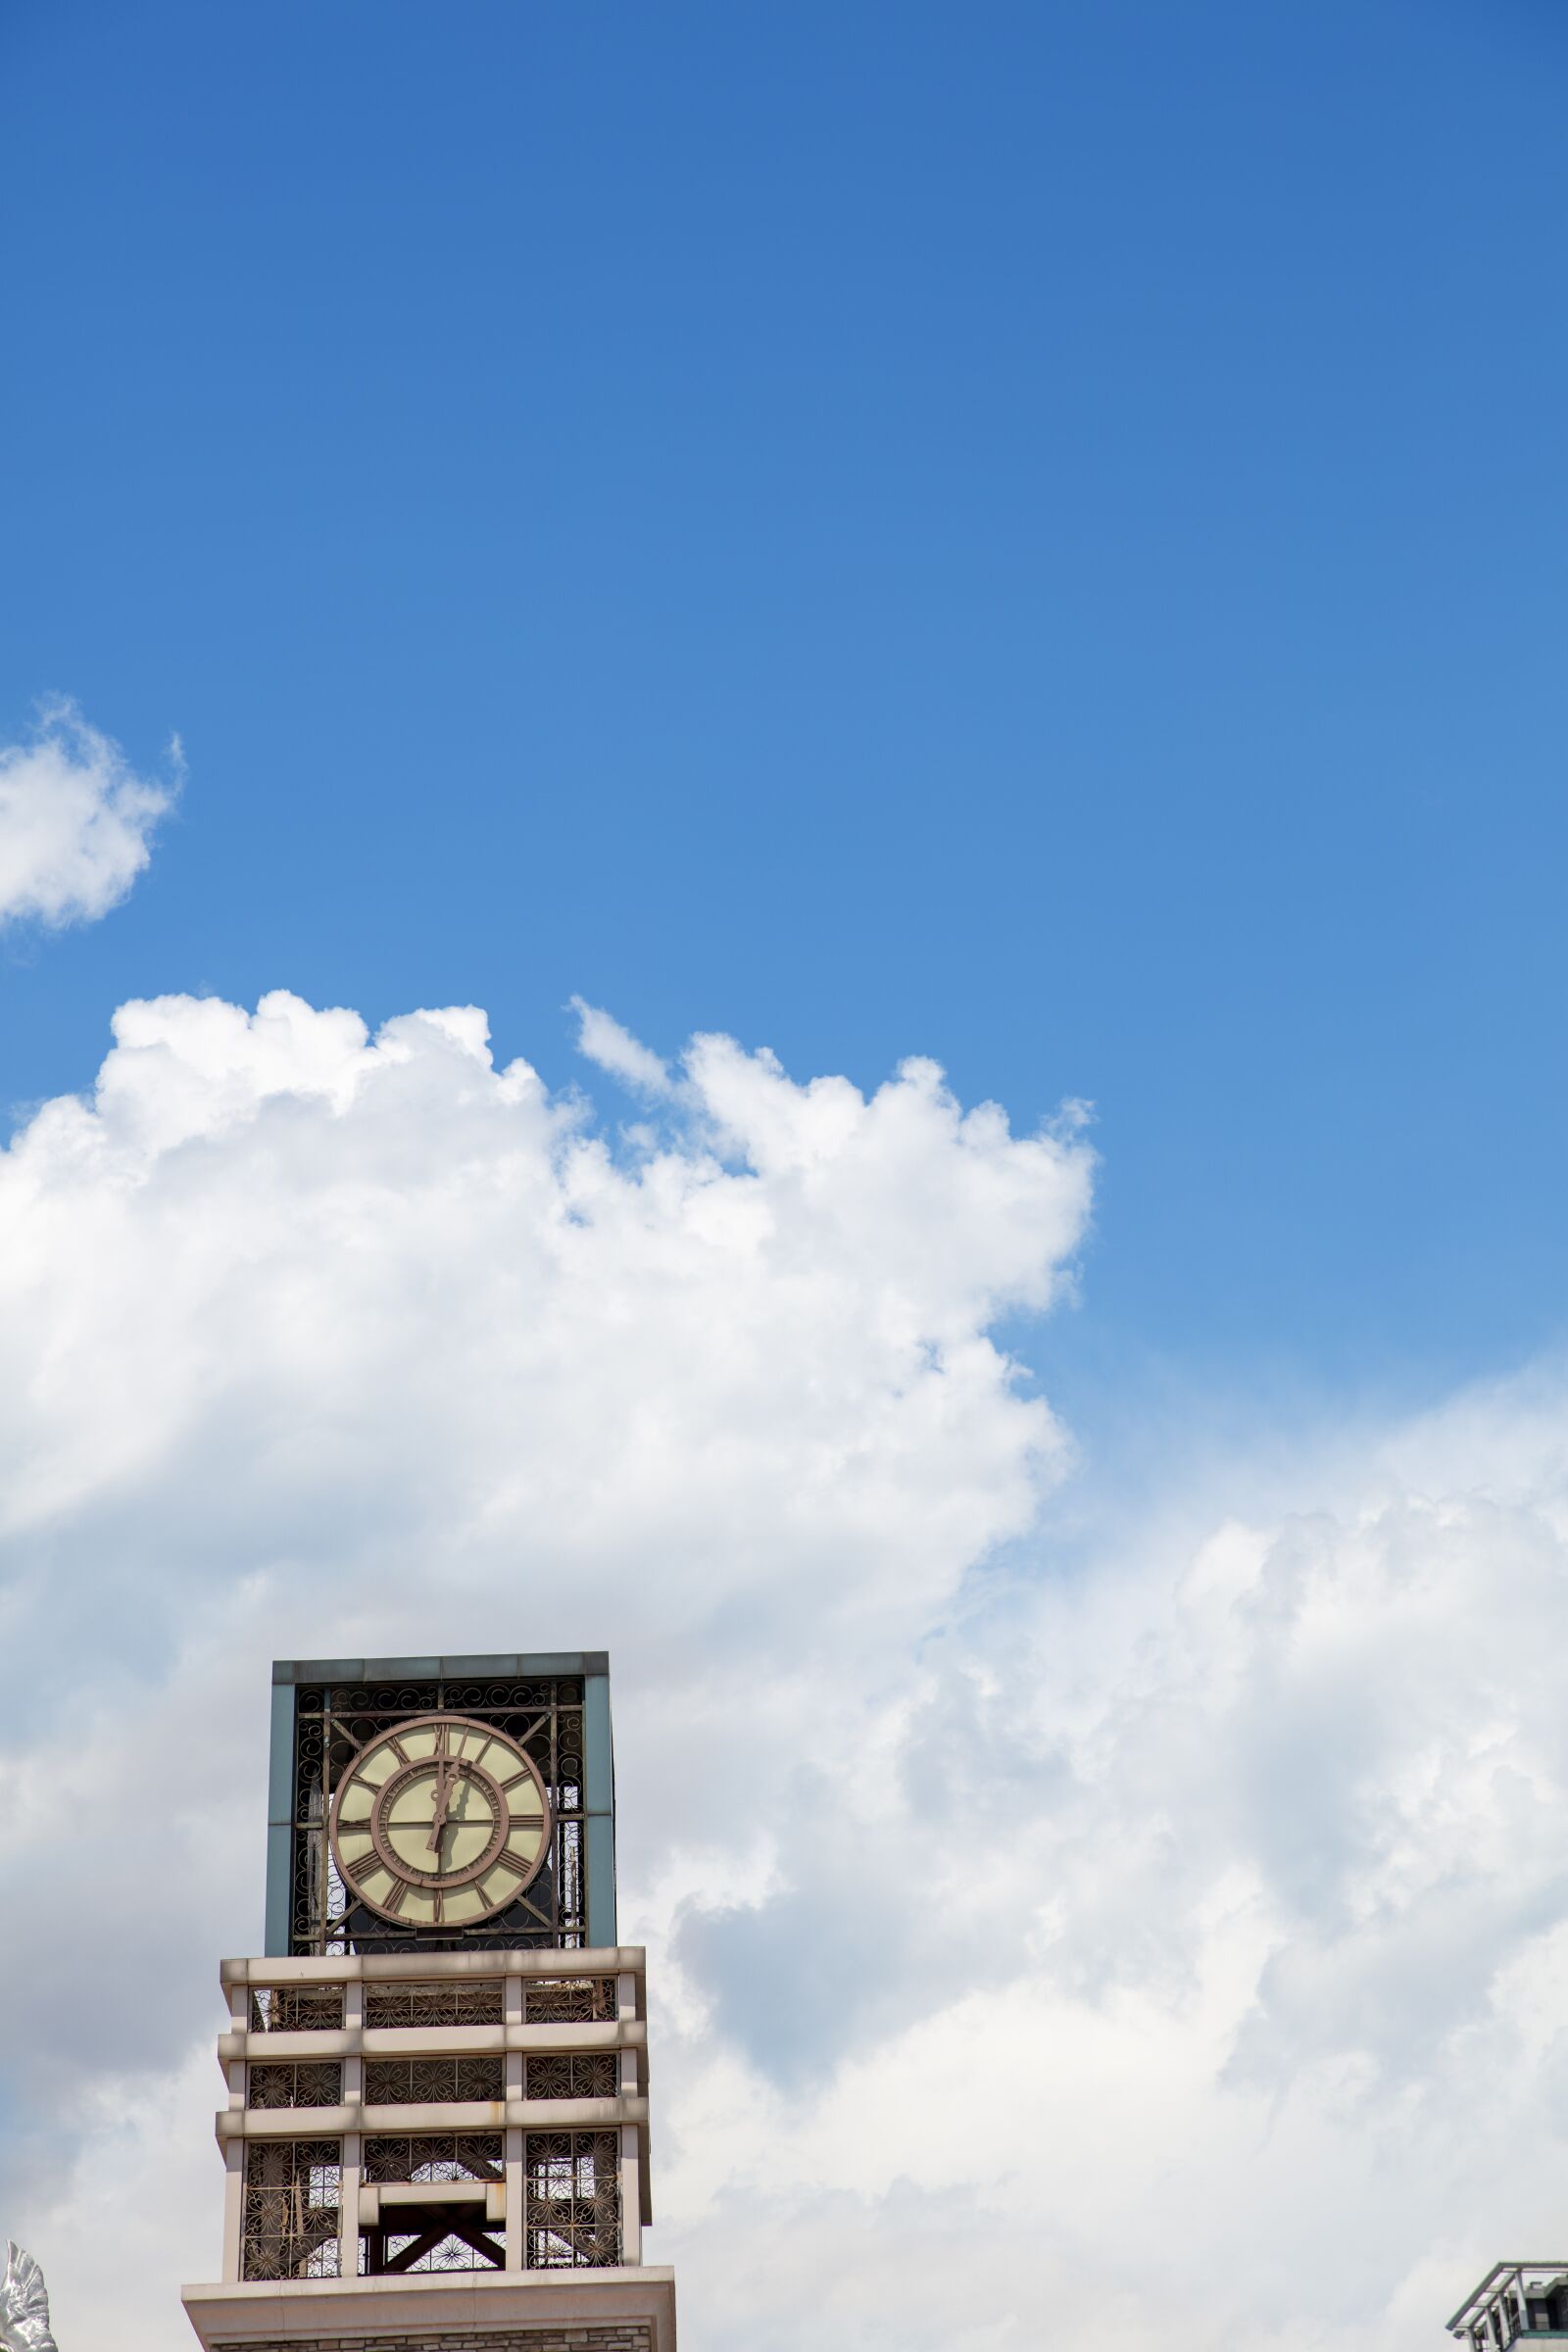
333	1722
427	2081
573	2210
307	2082
435	2156
579	2075
570	2000
475	2001
292	2194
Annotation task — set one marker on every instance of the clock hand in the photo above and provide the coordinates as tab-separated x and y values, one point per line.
445	1775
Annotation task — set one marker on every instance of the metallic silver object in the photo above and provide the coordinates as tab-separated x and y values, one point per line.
24	2305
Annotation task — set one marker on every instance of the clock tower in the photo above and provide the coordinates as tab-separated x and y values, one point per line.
435	2137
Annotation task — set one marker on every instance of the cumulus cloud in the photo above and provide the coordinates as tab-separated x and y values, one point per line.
1168	1951
312	1338
76	821
1206	1959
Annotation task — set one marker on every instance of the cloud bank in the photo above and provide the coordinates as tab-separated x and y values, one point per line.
1165	1953
75	823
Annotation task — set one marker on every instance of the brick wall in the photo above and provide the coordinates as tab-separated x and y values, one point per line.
629	2335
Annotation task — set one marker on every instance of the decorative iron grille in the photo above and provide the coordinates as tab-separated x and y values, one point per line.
333	1721
573	2213
434	2156
296	2008
309	2083
416	2242
476	2003
570	2000
433	2235
578	2076
293	2192
408	2082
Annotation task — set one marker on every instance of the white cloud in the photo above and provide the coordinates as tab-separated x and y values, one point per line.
313	1339
1169	1953
75	823
603	1040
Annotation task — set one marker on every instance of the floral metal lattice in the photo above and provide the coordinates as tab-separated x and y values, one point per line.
573	2213
296	2009
472	2003
434	2156
293	2193
422	2245
433	2235
570	2000
305	2082
581	2075
404	2082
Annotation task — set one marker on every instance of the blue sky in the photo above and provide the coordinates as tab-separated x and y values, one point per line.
1032	534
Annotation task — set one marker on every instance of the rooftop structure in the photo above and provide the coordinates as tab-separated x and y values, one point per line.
1514	2299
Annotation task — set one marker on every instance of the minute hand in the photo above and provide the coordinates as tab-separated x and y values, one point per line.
445	1775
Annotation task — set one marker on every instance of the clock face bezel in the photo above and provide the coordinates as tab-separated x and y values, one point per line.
407	1875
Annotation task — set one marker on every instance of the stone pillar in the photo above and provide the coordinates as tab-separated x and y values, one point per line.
631	2188
239	2018
514	2239
348	2220
233	2210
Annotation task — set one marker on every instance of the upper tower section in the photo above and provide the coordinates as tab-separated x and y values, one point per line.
441	1805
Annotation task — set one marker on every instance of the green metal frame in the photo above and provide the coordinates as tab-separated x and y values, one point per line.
590	1666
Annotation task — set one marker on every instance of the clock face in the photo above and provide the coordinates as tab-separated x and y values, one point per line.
440	1822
